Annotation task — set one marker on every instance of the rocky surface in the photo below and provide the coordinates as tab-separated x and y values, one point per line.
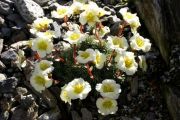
29	10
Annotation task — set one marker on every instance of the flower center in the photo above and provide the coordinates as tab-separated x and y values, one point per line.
85	55
118	42
98	58
129	15
128	62
108	88
42	45
40	80
90	17
107	104
61	11
44	66
42	26
139	42
78	88
74	36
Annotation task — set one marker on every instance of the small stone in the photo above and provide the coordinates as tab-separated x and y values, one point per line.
16	18
86	114
27	101
41	2
75	115
18	36
150	116
18	113
134	86
1	45
106	8
1	20
21	90
5	8
2	66
115	28
9	55
4	115
8	85
19	44
51	115
6	32
2	77
29	10
57	29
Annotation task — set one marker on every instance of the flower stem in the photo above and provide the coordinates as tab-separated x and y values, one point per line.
81	28
74	53
89	71
66	21
98	27
36	56
112	54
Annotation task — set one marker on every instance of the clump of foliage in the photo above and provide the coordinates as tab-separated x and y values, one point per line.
89	58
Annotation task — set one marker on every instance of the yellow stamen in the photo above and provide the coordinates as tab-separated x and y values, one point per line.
78	88
107	104
128	62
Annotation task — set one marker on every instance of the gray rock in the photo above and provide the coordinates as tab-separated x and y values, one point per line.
9	55
27	101
4	115
134	86
51	115
21	90
41	2
5	8
75	115
2	77
172	100
18	36
150	116
19	44
1	45
2	66
57	29
2	20
17	19
86	114
6	32
8	85
19	113
29	10
113	12
115	28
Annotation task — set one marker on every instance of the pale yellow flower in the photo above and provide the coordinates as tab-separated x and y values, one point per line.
74	37
76	7
43	46
142	63
65	95
78	88
106	106
48	34
61	12
40	25
126	62
44	66
86	56
40	81
140	43
117	43
100	59
109	88
130	18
